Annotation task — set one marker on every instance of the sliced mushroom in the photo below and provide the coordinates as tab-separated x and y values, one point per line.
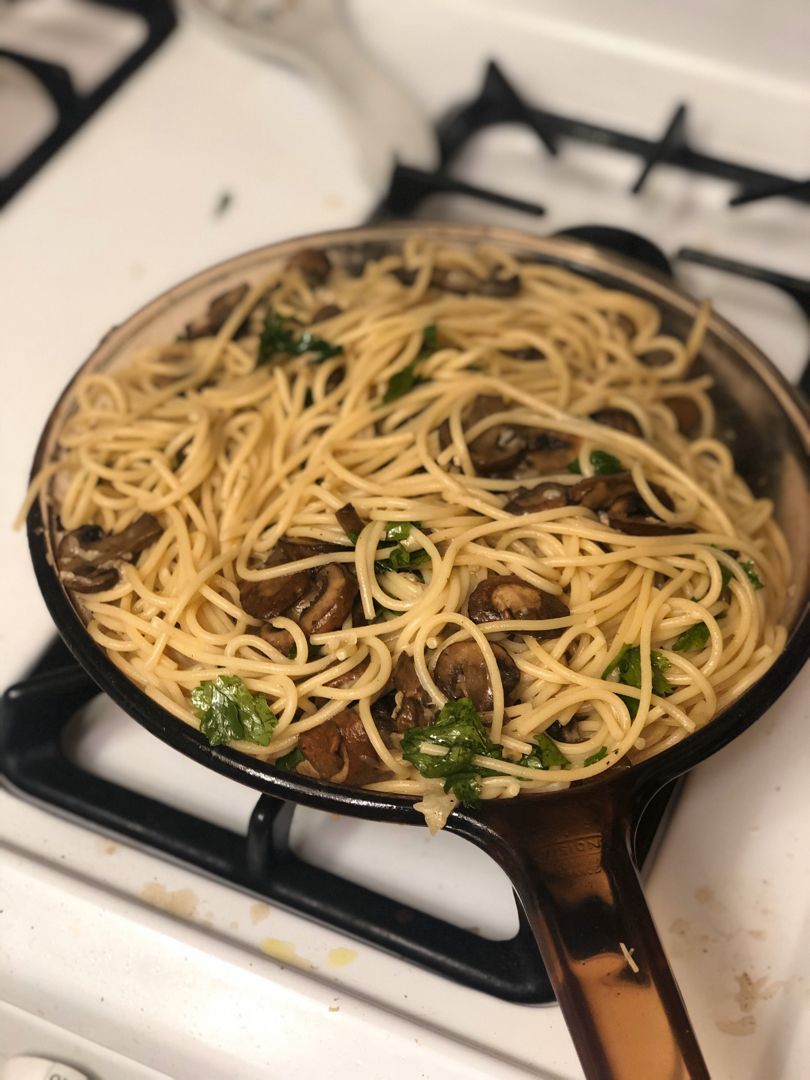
566	733
461	672
462	282
312	264
415	706
505	597
598	492
340	751
630	514
500	449
304	547
350	521
620	419
279	639
327	602
687	414
270	597
529	353
544	496
328	311
217	313
88	557
350	677
550	451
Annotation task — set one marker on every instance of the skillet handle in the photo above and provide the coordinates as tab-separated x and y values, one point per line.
570	864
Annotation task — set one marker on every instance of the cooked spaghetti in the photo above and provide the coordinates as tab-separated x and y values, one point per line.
350	494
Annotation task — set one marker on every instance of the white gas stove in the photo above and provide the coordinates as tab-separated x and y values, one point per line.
126	965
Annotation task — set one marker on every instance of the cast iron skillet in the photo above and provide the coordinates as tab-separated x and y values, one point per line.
567	853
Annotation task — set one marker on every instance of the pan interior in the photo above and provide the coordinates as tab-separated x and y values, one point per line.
760	420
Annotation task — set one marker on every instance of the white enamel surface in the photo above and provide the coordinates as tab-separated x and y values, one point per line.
131	968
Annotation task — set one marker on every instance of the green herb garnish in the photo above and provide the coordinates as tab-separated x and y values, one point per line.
227	710
401	559
693	638
627	663
602	463
547	755
402	382
752	575
458	727
399	530
600	753
290	761
278	340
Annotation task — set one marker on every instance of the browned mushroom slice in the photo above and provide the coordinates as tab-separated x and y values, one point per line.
507	597
350	521
630	514
620	419
340	751
328	311
217	313
550	451
87	556
687	414
350	677
461	672
463	283
566	733
327	602
529	353
545	496
270	597
313	265
501	448
498	451
279	639
415	707
598	492
304	547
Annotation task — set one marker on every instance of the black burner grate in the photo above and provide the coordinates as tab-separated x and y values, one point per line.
74	109
33	717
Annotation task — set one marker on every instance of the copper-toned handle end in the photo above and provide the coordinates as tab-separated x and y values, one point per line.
569	862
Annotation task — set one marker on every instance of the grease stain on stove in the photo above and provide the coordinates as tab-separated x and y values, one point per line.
341	957
107	847
746	1025
180	902
285	952
259	912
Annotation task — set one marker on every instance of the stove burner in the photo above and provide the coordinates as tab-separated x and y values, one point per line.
33	717
74	109
498	102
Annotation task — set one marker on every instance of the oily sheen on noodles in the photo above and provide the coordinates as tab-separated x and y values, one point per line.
347	496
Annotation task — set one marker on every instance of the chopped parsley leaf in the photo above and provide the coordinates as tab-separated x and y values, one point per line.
277	339
693	638
400	559
399	530
227	710
602	463
290	761
752	575
600	753
458	727
547	755
402	382
627	663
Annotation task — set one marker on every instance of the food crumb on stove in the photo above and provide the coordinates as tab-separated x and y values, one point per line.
223	203
341	957
259	912
284	951
108	847
334	1008
180	902
746	1025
